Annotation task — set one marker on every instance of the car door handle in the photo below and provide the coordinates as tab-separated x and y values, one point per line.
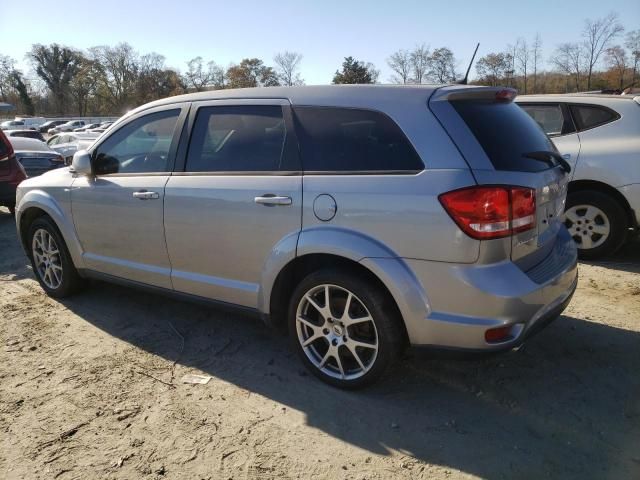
145	195
566	156
270	199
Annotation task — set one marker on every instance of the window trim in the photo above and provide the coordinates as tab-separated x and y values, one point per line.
616	115
356	172
568	122
171	158
291	148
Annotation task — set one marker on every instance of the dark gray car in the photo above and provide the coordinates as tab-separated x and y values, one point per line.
35	156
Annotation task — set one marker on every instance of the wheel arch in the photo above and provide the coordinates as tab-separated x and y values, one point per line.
582	185
36	204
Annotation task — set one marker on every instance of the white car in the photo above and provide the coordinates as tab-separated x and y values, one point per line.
31	123
599	136
66	127
13	125
66	144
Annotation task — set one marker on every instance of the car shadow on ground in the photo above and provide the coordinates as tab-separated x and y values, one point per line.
626	259
572	392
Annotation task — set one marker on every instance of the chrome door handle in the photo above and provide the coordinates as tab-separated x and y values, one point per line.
270	200
145	195
566	156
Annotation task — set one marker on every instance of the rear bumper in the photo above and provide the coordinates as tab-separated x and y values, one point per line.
468	300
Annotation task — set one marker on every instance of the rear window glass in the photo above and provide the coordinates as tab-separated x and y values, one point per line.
588	116
506	133
353	140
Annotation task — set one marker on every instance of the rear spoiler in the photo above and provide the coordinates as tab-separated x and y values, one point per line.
492	94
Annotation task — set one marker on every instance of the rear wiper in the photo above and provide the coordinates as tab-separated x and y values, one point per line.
546	156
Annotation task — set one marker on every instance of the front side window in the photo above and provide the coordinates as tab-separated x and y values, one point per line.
141	146
549	117
237	139
353	140
589	116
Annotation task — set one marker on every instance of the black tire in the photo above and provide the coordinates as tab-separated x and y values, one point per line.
616	216
12	209
384	314
71	281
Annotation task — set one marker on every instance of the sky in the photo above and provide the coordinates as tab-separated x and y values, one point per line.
323	31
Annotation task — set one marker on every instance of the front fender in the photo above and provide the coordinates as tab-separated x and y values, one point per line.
62	217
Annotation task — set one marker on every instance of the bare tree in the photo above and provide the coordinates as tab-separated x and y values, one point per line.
196	76
523	57
632	42
616	58
493	68
510	56
568	58
287	65
120	67
400	63
7	65
536	58
597	35
442	65
419	58
373	71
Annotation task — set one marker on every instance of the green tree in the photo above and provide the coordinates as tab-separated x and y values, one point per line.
56	66
18	83
251	73
353	72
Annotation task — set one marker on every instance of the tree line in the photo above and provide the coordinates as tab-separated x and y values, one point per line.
107	80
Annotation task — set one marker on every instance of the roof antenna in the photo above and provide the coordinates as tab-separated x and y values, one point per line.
466	75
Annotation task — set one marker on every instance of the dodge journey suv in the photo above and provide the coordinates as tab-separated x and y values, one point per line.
360	218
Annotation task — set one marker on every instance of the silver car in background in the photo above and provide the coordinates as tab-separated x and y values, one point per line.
360	218
67	144
599	135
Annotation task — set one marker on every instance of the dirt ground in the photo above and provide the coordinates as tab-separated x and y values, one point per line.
90	389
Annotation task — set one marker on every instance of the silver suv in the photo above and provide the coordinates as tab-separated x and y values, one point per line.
361	218
599	135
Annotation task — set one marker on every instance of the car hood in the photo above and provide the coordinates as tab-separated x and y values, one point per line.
57	176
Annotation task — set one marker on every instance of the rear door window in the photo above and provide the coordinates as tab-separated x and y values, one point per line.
353	140
590	116
551	118
238	138
505	132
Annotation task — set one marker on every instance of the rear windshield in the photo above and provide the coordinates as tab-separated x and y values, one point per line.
506	133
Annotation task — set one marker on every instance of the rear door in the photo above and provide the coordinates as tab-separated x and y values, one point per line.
556	121
497	138
235	197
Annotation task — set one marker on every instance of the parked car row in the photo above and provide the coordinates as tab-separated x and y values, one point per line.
66	144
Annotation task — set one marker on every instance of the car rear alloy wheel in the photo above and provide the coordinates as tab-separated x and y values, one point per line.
46	259
336	332
588	225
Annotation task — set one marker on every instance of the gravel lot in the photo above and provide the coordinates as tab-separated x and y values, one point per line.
90	388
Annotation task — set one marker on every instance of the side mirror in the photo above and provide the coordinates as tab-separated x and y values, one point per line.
81	163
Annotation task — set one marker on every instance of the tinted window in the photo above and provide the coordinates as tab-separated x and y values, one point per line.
505	133
549	117
237	139
343	139
588	116
140	146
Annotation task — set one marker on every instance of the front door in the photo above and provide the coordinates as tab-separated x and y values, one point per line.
118	212
238	199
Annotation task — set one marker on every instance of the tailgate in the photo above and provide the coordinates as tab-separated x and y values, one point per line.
503	145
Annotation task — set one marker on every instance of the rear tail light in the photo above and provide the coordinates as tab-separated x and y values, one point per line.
58	159
506	95
486	212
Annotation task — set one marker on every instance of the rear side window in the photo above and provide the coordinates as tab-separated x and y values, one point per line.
353	140
589	116
551	118
506	133
237	139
